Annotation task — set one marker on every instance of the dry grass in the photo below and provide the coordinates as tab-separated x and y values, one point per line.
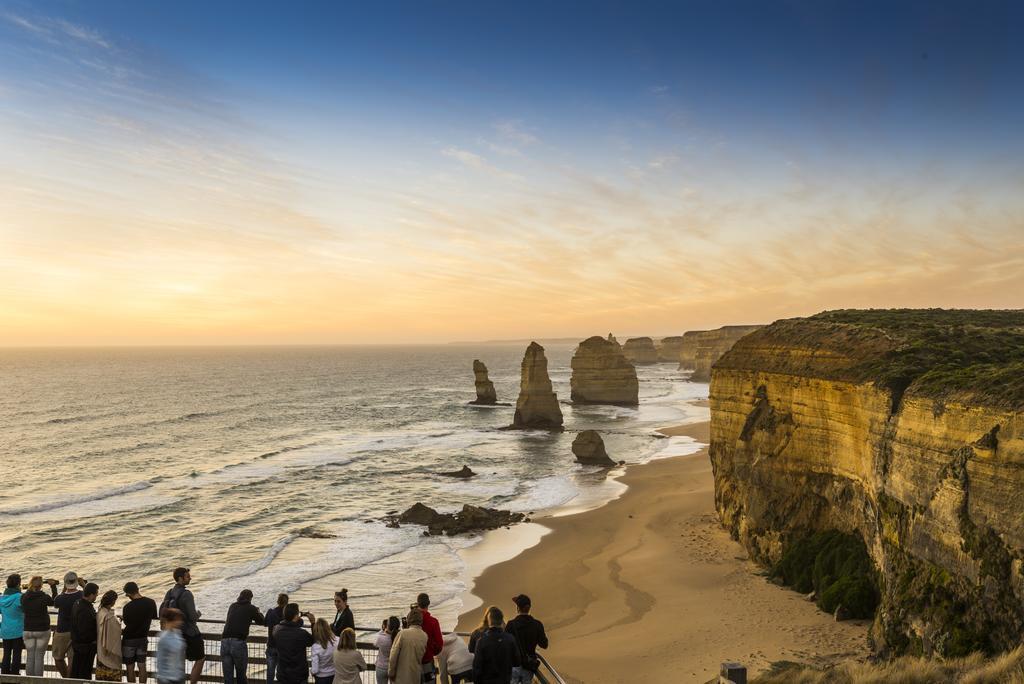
974	669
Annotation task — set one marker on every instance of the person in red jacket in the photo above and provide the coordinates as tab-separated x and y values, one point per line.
435	641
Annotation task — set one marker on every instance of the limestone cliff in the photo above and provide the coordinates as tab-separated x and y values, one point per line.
688	348
640	350
903	428
602	375
669	348
485	394
710	345
537	406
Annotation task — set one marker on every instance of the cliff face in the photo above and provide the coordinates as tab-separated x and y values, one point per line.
688	348
669	348
710	345
485	394
640	350
602	375
905	428
537	406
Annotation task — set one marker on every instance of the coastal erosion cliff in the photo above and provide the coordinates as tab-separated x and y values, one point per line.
901	429
700	349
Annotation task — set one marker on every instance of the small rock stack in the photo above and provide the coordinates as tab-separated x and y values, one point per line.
537	406
485	394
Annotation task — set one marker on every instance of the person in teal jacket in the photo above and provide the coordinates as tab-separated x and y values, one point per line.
12	626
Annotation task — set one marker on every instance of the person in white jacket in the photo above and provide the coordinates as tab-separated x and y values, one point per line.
455	660
321	656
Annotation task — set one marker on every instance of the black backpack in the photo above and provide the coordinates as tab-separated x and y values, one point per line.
171	599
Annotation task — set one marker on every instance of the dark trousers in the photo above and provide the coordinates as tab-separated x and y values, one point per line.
12	656
235	659
466	676
81	664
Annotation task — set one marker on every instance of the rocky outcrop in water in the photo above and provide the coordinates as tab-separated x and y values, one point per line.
640	350
602	375
710	345
485	394
463	473
669	348
537	406
588	448
469	519
903	429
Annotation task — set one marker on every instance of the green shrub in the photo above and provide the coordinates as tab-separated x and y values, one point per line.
836	566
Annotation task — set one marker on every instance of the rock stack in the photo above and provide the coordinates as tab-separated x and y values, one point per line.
669	348
602	375
588	447
485	394
537	406
640	350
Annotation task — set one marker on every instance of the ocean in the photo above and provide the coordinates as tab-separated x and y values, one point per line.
270	468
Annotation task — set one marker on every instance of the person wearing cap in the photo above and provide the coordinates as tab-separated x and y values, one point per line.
529	634
497	652
64	602
234	656
34	604
138	615
435	640
180	597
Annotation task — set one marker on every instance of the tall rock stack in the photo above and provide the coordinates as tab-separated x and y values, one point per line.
602	375
537	406
669	347
640	350
688	348
485	394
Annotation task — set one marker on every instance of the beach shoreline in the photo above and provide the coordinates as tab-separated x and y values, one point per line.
650	586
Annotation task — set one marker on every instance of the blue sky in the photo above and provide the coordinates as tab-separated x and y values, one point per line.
210	172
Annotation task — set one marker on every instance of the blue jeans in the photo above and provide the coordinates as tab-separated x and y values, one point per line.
271	665
382	676
520	675
235	660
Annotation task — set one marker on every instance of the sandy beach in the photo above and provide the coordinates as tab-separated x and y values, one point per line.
650	587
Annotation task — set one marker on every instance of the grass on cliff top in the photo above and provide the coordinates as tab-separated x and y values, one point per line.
944	353
974	669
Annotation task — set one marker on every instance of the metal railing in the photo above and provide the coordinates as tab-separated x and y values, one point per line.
256	648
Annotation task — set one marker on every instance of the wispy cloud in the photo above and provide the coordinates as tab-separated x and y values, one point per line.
56	29
513	129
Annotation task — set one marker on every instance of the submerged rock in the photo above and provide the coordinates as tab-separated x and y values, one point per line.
588	447
485	394
537	406
464	472
602	375
469	519
640	350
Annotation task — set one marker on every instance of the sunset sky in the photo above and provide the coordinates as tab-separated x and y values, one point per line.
201	172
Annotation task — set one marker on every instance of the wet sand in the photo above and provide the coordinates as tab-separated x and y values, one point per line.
649	587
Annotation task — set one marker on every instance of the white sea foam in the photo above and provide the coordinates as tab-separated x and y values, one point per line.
73	500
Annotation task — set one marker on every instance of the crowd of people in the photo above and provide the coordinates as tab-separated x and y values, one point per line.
99	644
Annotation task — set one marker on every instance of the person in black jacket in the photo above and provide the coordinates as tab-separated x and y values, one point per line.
84	633
529	634
343	618
496	652
234	656
34	604
274	616
292	641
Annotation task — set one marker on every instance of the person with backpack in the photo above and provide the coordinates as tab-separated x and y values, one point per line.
497	652
84	633
180	598
273	617
529	634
